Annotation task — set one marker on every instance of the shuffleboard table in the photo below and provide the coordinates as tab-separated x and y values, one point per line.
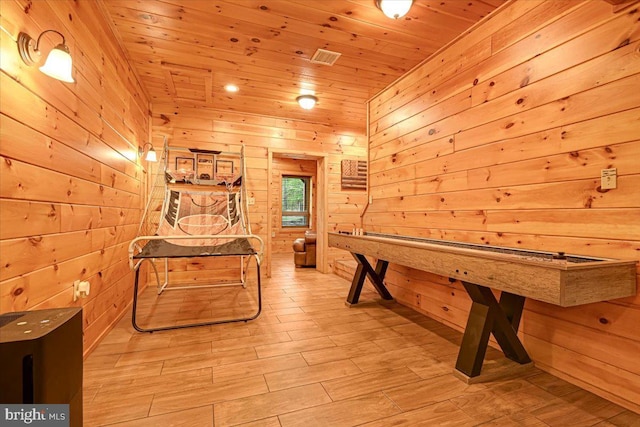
555	278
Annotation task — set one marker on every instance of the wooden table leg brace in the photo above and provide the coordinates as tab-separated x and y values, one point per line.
489	316
377	278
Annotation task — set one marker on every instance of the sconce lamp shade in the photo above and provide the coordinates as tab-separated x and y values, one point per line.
58	64
394	8
307	101
151	155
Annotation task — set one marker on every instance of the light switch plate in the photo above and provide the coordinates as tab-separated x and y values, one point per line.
608	179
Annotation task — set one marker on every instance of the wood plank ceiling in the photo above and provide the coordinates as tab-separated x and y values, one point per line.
186	51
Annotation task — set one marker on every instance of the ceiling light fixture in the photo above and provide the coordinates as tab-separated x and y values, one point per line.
395	9
231	88
58	64
151	154
307	101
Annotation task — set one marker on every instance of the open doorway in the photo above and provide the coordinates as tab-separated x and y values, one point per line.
297	202
294	188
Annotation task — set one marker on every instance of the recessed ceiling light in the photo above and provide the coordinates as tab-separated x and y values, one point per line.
231	88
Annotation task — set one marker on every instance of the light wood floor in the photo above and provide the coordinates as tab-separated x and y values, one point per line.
308	360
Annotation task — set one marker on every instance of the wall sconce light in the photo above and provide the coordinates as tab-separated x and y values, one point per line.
58	64
394	8
151	154
307	101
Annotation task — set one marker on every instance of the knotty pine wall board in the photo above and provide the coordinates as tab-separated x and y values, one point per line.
568	334
448	62
25	107
617	27
570	139
96	50
450	65
24	181
447	193
202	139
583	370
571	109
595	44
25	291
552	105
23	218
72	190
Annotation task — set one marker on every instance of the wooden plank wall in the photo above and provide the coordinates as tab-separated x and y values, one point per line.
70	193
196	126
282	239
500	138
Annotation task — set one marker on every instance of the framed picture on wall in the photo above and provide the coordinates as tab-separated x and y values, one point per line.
354	174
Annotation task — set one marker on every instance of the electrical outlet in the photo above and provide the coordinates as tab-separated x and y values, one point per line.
608	179
252	200
370	199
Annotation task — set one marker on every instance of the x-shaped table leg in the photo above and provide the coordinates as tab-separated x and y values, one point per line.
489	316
377	277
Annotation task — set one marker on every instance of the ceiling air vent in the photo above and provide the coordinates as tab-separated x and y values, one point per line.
325	57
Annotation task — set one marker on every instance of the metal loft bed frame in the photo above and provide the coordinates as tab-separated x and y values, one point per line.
200	215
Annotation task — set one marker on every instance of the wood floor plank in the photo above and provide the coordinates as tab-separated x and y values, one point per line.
221	332
236	388
137	342
258	367
520	391
518	420
307	334
586	409
357	385
146	356
343	413
624	419
117	411
96	376
271	350
250	341
325	355
310	374
265	422
398	342
282	327
157	384
484	405
393	359
268	404
362	336
429	391
438	414
430	367
551	384
197	417
218	358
